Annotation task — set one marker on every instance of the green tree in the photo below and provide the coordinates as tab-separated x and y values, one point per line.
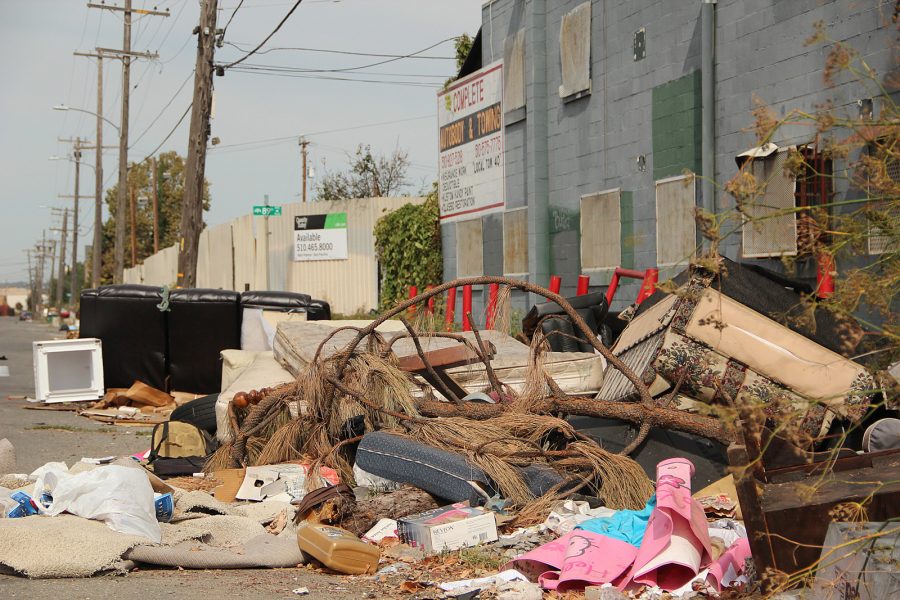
369	176
170	193
462	46
408	244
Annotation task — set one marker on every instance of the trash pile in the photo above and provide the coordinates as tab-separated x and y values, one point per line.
436	464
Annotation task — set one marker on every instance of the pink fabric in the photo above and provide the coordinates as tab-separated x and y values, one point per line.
676	544
729	565
576	560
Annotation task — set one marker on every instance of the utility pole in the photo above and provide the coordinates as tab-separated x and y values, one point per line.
73	299
42	256
97	248
155	184
126	54
30	280
133	232
303	145
55	245
195	169
60	277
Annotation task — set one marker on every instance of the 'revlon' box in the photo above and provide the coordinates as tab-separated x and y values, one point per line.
448	528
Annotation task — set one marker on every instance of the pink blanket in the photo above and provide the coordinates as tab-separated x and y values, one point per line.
577	559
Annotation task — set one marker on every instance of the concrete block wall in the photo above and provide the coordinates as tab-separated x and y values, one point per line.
593	143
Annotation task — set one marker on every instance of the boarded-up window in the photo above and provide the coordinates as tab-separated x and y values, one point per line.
514	73
770	224
469	248
515	242
601	230
575	50
676	229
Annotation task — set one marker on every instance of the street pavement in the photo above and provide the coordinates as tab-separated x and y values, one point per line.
40	436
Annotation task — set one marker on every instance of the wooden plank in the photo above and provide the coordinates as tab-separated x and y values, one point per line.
454	356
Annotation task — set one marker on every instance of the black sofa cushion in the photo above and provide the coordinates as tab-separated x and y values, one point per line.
202	323
133	330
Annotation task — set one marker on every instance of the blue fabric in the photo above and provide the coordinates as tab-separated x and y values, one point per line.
626	525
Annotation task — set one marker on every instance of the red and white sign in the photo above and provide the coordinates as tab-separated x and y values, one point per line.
470	121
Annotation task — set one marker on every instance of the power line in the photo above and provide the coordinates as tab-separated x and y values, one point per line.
268	37
374	64
348	52
166	139
231	18
322	132
287	69
331	78
164	108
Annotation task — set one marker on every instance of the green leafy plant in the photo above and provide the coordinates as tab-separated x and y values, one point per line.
408	245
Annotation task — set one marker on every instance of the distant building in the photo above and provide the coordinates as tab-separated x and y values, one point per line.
604	111
13	296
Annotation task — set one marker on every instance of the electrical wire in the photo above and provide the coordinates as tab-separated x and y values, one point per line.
374	64
166	139
330	78
164	108
231	18
348	52
267	38
219	148
287	69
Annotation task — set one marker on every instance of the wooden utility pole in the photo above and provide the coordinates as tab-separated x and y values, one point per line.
195	168
303	145
125	54
97	247
73	298
61	274
155	184
133	231
42	255
30	299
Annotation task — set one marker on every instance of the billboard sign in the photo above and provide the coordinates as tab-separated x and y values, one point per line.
471	164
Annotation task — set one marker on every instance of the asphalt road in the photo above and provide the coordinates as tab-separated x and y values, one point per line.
40	436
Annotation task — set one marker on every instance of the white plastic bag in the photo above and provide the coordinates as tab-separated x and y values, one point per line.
119	496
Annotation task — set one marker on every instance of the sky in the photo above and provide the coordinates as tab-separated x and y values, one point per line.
258	117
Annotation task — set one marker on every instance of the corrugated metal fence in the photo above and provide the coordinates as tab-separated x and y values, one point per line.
232	256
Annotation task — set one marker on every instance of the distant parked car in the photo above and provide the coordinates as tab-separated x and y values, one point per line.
25	315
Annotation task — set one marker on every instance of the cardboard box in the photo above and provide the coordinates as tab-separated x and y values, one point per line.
448	528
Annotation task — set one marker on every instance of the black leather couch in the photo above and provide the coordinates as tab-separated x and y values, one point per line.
178	348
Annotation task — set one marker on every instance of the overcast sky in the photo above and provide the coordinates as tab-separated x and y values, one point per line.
38	71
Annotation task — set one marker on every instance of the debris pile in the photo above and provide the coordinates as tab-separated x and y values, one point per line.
434	463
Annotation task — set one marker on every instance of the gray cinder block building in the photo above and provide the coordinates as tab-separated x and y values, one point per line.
606	105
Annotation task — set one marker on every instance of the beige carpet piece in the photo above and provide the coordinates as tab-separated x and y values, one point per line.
70	546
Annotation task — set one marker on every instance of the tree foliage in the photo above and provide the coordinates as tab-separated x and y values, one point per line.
369	176
462	45
858	234
170	193
408	245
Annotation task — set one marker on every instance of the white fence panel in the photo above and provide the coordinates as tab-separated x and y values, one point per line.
244	253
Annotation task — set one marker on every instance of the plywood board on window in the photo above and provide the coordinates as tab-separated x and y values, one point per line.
770	224
676	227
515	242
601	230
514	73
469	248
575	50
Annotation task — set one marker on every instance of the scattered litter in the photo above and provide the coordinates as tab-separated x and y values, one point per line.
300	591
448	528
